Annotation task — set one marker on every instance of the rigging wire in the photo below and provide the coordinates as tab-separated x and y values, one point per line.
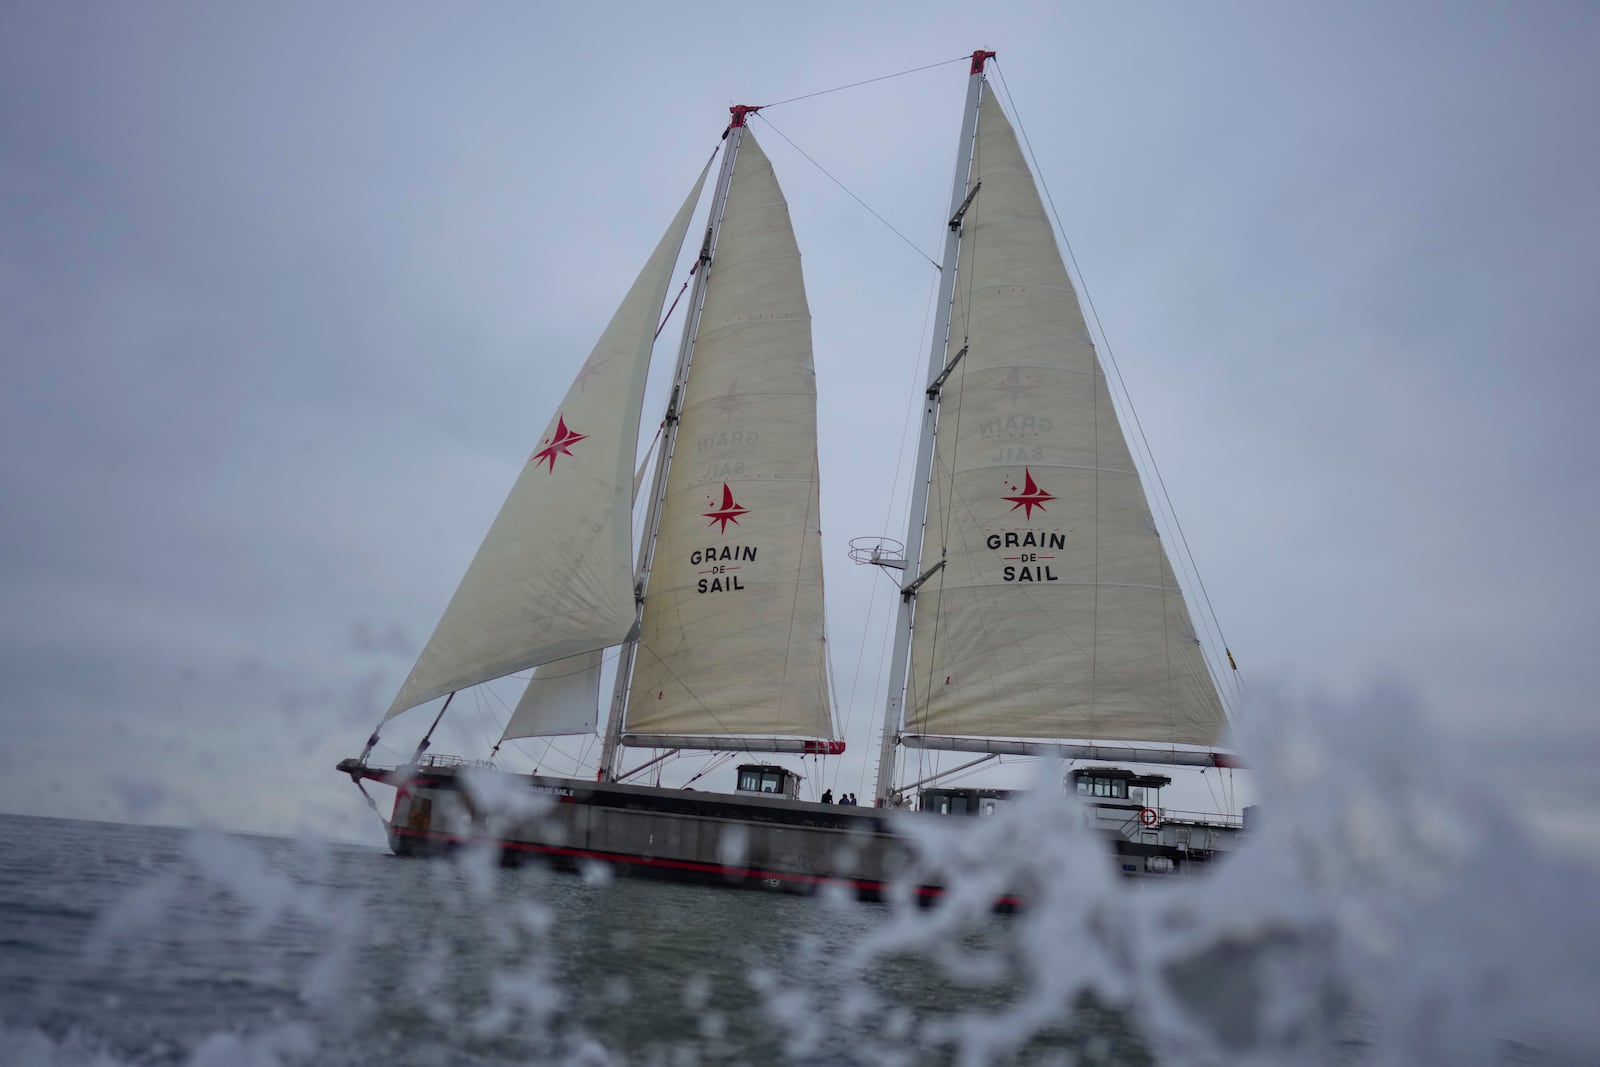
1212	789
869	81
668	316
853	196
609	655
1112	359
888	514
514	742
485	724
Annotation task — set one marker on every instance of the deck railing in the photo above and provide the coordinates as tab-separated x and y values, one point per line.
441	760
1203	818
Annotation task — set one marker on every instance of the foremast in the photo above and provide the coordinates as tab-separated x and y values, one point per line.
669	437
940	362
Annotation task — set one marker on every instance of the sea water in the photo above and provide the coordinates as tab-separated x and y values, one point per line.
1386	911
130	944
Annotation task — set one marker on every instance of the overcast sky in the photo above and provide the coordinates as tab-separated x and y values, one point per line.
287	293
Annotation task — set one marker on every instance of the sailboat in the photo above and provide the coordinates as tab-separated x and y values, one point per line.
1038	615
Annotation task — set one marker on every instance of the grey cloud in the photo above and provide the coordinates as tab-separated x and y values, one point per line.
286	294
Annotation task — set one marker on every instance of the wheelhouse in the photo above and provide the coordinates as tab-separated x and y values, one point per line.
764	779
979	802
1116	786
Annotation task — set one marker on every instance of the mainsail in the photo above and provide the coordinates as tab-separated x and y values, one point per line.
554	576
1056	613
731	639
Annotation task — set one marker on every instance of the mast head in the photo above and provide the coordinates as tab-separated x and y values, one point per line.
739	111
979	58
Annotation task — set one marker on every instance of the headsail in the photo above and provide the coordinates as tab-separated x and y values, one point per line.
562	698
731	641
554	576
1056	613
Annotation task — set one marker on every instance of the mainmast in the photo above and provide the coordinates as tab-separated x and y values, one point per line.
940	362
702	270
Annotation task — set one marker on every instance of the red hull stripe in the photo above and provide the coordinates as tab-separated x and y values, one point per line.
681	865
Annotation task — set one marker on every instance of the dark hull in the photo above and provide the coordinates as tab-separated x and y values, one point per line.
407	842
731	840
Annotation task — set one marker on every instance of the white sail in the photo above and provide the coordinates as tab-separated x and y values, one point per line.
731	641
562	698
554	576
644	468
1056	613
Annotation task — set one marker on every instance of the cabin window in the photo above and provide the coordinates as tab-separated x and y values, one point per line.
1114	788
756	780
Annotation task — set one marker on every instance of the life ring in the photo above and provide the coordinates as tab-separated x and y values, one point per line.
1148	816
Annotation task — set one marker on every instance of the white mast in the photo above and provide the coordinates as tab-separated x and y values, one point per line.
938	370
669	436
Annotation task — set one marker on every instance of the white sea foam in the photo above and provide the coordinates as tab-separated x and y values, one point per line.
1387	911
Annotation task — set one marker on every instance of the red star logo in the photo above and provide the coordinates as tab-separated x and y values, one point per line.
1031	496
1014	387
728	512
591	370
559	444
730	403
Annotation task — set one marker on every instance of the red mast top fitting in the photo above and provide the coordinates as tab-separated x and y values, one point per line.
979	58
739	111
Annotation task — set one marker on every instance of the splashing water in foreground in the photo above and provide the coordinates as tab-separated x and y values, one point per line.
1387	911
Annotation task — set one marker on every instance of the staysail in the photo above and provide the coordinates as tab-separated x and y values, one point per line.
554	576
562	698
731	640
1056	613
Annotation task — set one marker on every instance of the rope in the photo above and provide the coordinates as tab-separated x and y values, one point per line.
869	81
670	310
850	194
716	762
1112	359
373	804
662	663
485	724
581	758
1212	789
